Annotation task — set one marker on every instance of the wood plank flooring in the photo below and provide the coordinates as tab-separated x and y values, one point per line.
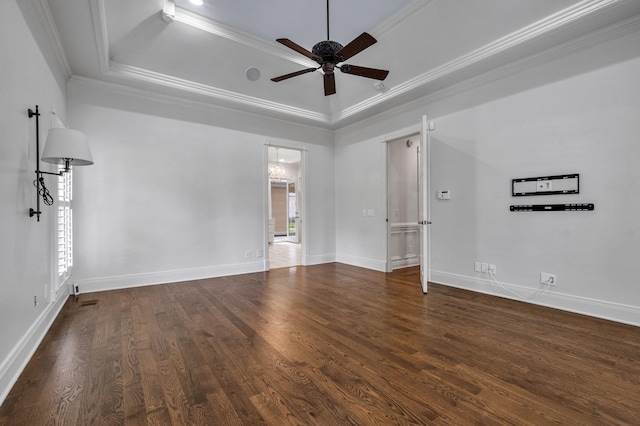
284	254
325	345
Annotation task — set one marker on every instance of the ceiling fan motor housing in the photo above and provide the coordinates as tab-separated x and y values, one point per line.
327	51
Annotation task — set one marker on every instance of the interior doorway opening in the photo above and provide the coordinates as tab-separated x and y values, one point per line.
285	207
403	229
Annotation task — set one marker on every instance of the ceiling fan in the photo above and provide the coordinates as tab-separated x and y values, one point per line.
329	54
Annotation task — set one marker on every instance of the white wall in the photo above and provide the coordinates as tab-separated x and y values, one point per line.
25	252
580	116
172	199
360	188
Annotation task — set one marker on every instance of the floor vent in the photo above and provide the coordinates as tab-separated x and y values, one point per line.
88	303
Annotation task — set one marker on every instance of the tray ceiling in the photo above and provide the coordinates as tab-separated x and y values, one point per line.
203	54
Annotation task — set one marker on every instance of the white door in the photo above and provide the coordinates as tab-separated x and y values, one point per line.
293	216
423	203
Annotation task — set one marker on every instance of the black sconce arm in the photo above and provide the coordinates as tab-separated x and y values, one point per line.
64	146
42	190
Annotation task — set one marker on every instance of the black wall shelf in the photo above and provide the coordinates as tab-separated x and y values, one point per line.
553	207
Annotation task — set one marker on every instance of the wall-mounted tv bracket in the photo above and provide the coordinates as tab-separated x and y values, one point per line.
546	185
580	207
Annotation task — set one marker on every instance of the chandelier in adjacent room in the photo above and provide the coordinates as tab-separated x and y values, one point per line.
277	173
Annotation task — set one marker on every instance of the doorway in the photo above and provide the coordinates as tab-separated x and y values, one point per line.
403	199
285	207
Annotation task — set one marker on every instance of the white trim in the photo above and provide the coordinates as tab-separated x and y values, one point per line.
213	27
405	263
582	305
545	26
398	18
586	9
363	262
54	37
99	17
13	365
164	277
140	74
613	31
404	225
319	259
180	101
304	163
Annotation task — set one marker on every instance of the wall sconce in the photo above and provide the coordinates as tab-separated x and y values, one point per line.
63	146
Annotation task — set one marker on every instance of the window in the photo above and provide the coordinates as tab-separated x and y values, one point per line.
64	228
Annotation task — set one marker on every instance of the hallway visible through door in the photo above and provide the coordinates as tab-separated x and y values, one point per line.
402	202
285	207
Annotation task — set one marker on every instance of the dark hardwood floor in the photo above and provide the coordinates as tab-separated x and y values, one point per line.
327	345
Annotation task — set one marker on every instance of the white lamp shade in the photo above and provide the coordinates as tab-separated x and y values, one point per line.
67	145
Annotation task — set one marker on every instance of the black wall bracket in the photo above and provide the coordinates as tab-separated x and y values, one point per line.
546	185
553	207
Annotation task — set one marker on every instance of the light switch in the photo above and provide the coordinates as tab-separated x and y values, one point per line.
444	195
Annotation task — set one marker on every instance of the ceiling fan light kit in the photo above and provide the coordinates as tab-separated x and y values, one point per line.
330	54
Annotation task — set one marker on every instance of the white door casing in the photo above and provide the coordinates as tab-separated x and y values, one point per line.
424	216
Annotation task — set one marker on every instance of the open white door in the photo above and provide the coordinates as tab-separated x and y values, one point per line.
293	216
423	204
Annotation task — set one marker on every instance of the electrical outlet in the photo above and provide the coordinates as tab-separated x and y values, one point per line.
492	269
485	267
547	279
35	301
247	254
259	253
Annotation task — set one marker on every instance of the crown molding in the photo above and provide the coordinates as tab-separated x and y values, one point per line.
608	33
530	33
99	17
193	19
117	70
399	17
46	18
132	73
178	102
510	43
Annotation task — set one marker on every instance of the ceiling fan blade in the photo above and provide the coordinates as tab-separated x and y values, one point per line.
360	43
293	74
298	48
329	84
365	72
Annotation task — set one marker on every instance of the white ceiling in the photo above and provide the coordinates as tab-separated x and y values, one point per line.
303	21
427	45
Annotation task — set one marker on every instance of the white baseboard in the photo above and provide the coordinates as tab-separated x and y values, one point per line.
163	277
405	263
581	305
320	259
376	265
13	365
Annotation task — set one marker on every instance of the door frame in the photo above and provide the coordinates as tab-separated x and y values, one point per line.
422	129
407	132
301	189
388	141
